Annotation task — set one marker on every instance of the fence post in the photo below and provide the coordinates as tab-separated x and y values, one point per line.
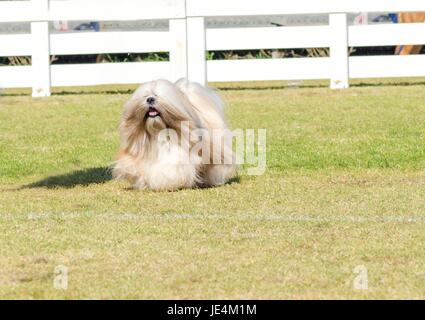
40	57
196	47
339	50
178	51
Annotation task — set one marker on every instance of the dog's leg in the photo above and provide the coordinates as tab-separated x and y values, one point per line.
222	160
218	174
171	177
171	170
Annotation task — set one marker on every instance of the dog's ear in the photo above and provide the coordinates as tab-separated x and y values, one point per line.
182	85
127	107
132	109
131	126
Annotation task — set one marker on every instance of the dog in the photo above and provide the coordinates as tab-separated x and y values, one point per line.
174	136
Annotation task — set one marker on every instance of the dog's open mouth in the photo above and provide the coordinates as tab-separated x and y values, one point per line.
152	113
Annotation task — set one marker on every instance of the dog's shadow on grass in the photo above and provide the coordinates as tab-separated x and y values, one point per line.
235	179
86	177
77	178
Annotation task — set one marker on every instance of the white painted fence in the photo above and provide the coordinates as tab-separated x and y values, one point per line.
187	41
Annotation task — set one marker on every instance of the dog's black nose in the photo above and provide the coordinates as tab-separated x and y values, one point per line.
150	100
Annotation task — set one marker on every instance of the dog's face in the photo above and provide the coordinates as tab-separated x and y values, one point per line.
158	105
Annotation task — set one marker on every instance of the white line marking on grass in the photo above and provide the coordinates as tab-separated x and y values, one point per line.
227	216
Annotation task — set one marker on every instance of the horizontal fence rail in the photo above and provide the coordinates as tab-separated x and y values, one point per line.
99	10
188	39
215	8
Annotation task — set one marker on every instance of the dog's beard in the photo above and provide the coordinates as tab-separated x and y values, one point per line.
155	125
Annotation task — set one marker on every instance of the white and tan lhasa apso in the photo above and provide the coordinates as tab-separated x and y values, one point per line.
173	136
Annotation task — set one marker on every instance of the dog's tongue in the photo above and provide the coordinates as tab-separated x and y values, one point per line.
153	112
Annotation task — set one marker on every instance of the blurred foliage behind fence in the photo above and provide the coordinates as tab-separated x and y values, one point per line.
211	55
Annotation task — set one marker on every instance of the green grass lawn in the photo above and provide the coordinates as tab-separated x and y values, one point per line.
344	187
